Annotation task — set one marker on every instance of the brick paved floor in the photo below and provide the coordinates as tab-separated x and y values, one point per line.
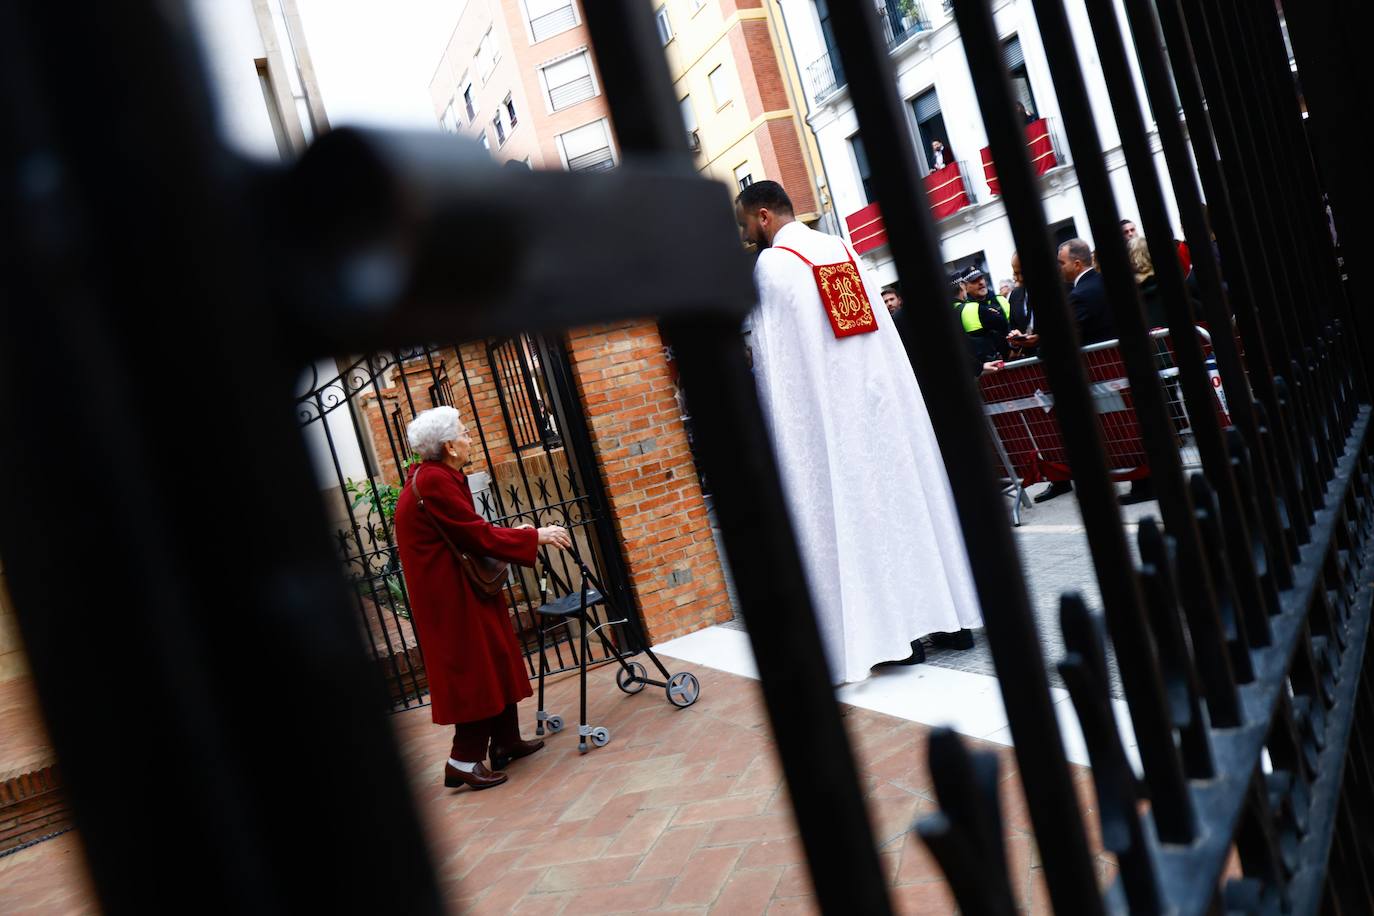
683	812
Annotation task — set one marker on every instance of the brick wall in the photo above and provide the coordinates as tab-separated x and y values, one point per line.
656	502
12	660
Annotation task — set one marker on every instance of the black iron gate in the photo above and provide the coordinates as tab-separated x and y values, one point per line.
531	464
1241	639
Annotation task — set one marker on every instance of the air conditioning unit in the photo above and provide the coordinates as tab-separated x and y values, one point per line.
694	141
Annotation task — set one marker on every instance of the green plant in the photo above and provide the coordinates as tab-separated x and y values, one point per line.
380	498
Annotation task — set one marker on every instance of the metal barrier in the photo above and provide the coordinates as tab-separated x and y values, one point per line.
1240	637
1019	404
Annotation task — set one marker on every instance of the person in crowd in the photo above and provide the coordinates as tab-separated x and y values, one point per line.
1087	293
1025	116
1128	230
1145	279
1023	341
939	156
892	298
986	318
476	669
1004	288
1156	315
872	514
1088	302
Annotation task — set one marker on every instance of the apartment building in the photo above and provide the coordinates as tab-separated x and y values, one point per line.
741	96
520	76
933	80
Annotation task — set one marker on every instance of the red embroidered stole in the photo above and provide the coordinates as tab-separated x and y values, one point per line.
843	295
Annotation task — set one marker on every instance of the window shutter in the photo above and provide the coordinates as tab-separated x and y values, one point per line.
927	106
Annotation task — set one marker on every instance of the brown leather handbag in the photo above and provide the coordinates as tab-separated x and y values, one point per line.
487	574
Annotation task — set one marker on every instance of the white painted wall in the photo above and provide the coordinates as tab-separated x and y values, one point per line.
936	58
231	43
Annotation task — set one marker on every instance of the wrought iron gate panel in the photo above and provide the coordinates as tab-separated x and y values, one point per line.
1248	680
525	472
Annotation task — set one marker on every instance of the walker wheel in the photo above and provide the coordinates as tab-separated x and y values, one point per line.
601	737
555	723
631	681
683	689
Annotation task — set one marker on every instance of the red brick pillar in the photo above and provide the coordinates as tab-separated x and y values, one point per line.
641	449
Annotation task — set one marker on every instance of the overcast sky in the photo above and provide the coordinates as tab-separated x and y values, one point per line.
374	58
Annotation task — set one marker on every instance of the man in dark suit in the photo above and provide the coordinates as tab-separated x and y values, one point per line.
1087	293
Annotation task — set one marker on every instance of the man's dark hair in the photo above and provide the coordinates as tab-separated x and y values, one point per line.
1128	222
894	288
765	195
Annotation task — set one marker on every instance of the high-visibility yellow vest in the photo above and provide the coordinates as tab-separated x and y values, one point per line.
973	321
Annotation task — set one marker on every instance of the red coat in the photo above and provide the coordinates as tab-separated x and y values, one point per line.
471	654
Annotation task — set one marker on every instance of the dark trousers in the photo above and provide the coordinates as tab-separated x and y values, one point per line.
470	739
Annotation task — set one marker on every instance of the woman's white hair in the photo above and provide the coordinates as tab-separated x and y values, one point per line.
431	429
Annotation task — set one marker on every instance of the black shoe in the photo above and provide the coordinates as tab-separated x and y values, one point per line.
918	655
1142	491
961	639
1056	488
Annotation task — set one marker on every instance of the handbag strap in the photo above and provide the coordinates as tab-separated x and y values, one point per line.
419	498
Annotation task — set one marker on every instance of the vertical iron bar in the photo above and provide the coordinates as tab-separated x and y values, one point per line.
939	358
814	750
1243	547
1149	47
1254	238
1121	595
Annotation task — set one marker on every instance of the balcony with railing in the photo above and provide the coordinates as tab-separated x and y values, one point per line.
899	19
1040	145
947	190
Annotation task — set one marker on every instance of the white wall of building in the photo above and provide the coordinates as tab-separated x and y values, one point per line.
231	43
936	58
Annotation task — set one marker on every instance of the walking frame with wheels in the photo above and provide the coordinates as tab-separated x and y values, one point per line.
682	688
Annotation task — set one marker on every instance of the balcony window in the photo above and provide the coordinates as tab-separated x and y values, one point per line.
549	18
486	57
500	131
930	127
689	121
856	146
510	112
1015	61
467	103
665	28
569	81
743	176
588	148
720	85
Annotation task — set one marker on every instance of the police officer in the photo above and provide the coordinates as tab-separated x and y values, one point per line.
986	317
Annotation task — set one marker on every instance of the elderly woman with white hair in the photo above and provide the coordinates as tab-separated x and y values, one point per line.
454	563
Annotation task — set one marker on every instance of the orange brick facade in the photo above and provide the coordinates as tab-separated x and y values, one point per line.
651	481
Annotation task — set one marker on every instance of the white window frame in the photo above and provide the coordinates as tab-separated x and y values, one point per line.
449	120
495	55
529	22
662	23
720	103
749	174
544	82
512	116
468	86
610	141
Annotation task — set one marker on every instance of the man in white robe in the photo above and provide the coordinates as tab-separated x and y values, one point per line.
865	483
